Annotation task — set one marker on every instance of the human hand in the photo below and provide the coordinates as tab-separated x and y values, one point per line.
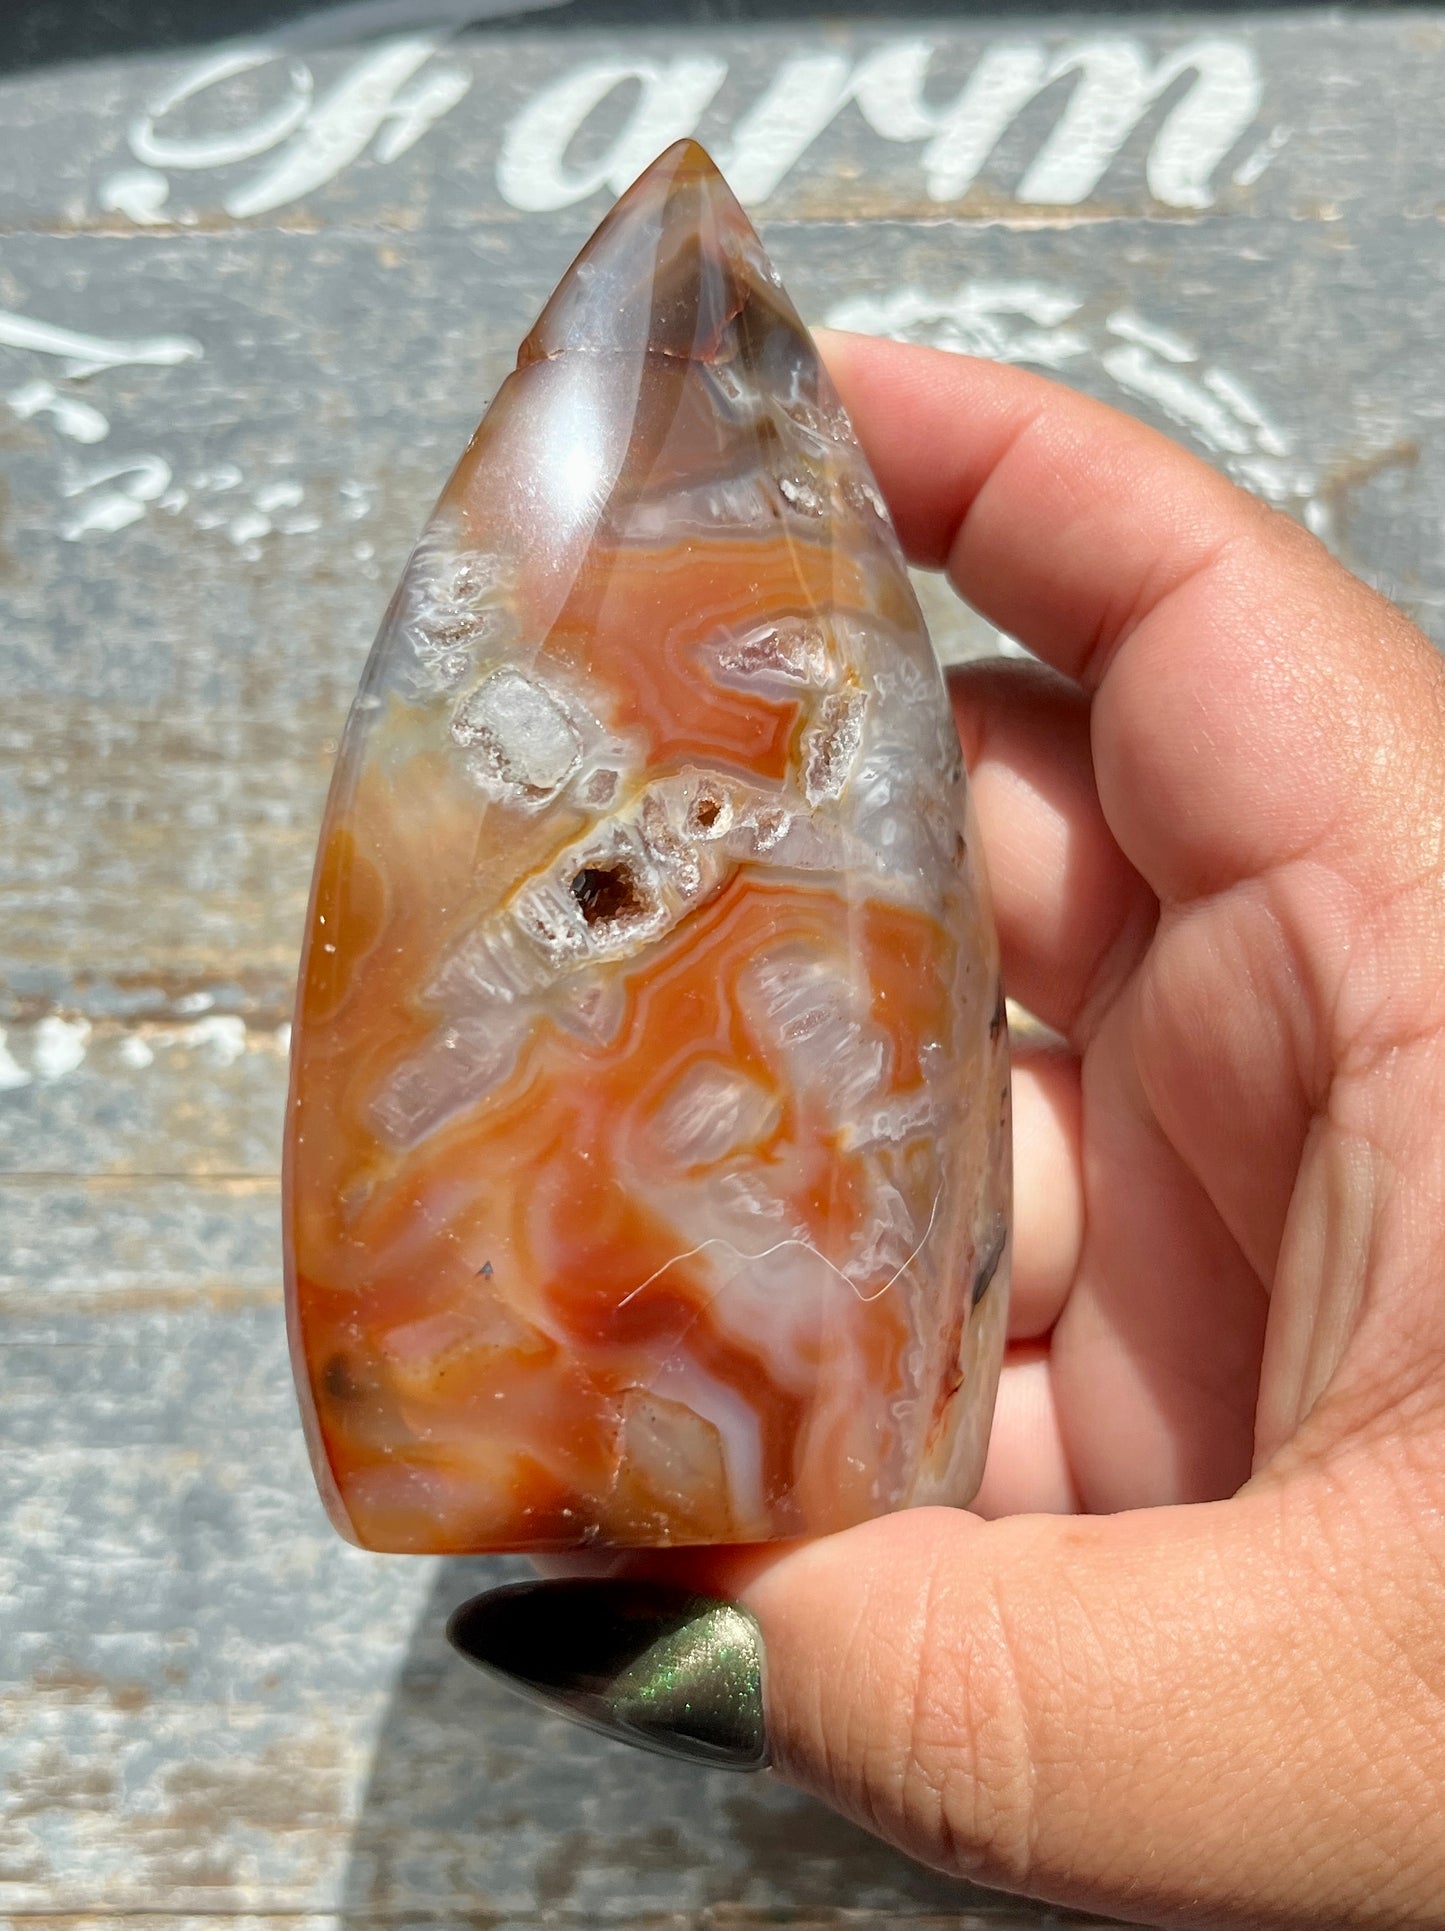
1215	833
1192	1669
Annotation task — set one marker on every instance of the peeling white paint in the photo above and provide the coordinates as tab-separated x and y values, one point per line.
1117	86
73	418
147	481
1002	321
142	479
59	1046
339	128
1117	82
222	1038
107	514
1235	396
56	1047
12	1076
397	89
1038	323
384	99
1148	335
219	150
532	170
1180	397
277	496
85	355
140	194
418	108
220	477
1255	163
247	527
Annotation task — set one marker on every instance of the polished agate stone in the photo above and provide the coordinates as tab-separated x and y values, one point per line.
647	1153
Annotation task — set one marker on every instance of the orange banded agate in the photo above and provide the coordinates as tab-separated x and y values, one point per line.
647	1155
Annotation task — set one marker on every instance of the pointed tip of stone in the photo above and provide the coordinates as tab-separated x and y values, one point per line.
669	268
686	168
684	188
683	181
684	160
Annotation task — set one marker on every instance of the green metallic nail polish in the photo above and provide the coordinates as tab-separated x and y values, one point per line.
644	1662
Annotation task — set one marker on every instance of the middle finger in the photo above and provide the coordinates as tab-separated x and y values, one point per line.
1074	917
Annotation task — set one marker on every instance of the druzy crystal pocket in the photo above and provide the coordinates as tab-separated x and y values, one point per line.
647	1153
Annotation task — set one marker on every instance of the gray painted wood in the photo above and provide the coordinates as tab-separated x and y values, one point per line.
209	1706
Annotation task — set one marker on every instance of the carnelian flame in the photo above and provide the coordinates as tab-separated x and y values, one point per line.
647	1150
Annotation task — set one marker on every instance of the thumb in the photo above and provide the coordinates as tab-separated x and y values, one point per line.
1180	1714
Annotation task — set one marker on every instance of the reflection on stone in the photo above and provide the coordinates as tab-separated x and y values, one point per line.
648	1133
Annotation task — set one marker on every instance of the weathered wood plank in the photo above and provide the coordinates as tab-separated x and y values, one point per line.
101	1246
230	384
1296	113
206	1695
223	597
203	1096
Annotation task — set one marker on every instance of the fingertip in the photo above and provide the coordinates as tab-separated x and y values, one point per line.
838	344
1013	1700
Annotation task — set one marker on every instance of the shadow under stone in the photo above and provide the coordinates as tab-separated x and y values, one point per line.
481	1809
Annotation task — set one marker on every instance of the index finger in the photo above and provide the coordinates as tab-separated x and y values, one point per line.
1253	701
1061	520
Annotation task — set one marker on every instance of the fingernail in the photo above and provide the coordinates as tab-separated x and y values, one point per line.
645	1662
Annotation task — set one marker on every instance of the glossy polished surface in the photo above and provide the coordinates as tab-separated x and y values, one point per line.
644	1662
647	1153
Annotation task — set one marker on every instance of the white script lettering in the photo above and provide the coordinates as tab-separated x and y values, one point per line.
317	139
1114	86
532	170
1198	100
90	354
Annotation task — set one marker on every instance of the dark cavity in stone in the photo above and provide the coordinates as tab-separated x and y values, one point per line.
607	894
338	1380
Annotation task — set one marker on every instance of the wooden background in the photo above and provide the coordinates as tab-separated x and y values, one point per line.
253	296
